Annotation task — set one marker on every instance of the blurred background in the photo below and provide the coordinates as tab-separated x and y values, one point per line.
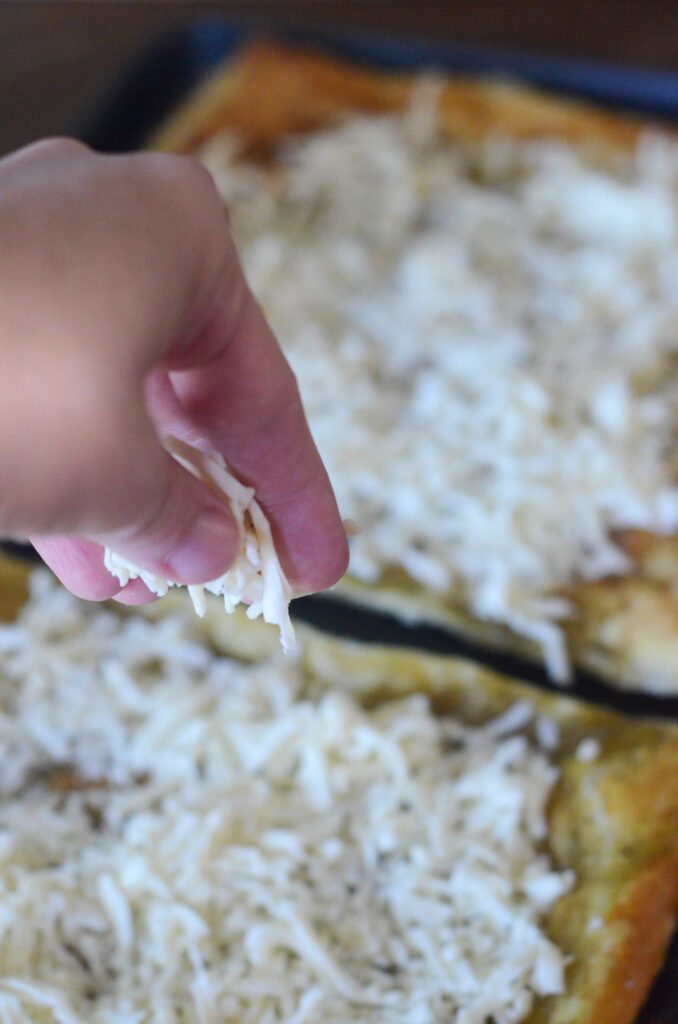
57	59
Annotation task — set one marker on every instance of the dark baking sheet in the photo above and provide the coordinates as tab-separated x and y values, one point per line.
162	74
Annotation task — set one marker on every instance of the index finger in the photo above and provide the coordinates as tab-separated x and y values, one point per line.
234	383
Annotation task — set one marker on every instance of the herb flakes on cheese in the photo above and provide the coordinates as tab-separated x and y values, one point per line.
485	339
187	839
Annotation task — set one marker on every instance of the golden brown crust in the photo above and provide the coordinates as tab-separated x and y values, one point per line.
622	629
625	628
14	574
270	90
655	557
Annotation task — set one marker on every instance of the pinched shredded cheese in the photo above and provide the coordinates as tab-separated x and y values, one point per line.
188	840
485	338
255	576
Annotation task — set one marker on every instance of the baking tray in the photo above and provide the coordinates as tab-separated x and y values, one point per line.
161	74
164	72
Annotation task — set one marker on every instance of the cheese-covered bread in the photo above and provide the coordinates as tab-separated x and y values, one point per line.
476	287
357	833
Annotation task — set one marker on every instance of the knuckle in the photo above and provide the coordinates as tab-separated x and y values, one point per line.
52	151
56	147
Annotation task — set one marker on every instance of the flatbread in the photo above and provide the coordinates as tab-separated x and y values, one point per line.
623	628
613	819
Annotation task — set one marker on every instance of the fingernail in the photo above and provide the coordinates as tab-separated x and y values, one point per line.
208	549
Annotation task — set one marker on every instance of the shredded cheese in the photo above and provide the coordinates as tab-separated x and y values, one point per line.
588	750
255	578
188	840
485	339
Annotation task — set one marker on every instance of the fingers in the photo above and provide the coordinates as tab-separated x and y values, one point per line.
79	564
231	388
245	400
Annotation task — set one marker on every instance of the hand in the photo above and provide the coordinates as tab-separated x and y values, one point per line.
125	317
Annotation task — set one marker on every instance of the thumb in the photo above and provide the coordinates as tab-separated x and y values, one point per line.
175	526
188	536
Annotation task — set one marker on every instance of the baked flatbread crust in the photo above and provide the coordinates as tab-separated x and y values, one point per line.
623	629
613	820
269	91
